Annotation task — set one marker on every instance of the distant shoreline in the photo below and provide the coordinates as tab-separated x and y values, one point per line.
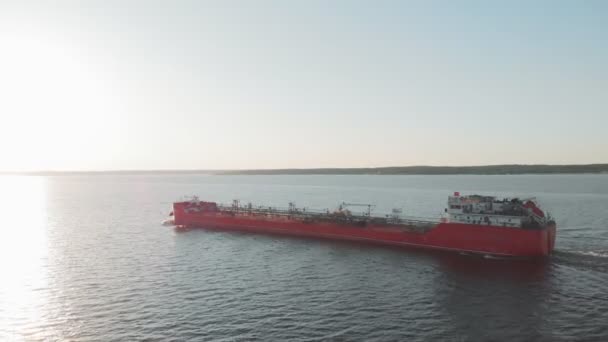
512	169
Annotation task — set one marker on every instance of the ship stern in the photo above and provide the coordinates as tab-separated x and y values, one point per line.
551	232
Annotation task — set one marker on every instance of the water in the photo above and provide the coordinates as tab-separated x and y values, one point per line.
85	258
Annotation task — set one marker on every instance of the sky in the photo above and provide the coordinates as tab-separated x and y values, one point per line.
123	85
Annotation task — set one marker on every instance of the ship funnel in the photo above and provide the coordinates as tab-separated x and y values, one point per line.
457	193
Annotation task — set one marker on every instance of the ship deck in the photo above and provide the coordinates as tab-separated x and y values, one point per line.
310	216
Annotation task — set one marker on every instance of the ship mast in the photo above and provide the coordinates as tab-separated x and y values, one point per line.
369	206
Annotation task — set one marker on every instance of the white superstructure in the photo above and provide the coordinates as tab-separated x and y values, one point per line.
491	211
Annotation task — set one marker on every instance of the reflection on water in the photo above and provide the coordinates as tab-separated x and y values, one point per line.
512	293
493	269
23	255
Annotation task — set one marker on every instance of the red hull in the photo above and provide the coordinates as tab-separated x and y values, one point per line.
471	238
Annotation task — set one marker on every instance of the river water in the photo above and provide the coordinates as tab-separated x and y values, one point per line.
85	258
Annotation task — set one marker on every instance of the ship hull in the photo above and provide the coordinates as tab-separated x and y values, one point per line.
456	237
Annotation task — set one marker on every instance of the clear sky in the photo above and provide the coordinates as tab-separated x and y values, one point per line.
105	85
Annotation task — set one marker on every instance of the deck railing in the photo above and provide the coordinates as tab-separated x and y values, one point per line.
315	214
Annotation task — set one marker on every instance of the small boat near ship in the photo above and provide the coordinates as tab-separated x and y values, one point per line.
486	225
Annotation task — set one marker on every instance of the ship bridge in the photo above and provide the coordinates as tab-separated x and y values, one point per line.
489	210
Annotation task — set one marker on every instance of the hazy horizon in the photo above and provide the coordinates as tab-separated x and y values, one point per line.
496	169
137	85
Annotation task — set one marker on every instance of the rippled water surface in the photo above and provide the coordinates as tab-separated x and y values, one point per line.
85	258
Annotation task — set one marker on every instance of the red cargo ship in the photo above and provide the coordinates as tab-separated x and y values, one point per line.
471	224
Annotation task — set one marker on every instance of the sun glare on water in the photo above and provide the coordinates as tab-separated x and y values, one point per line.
23	256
